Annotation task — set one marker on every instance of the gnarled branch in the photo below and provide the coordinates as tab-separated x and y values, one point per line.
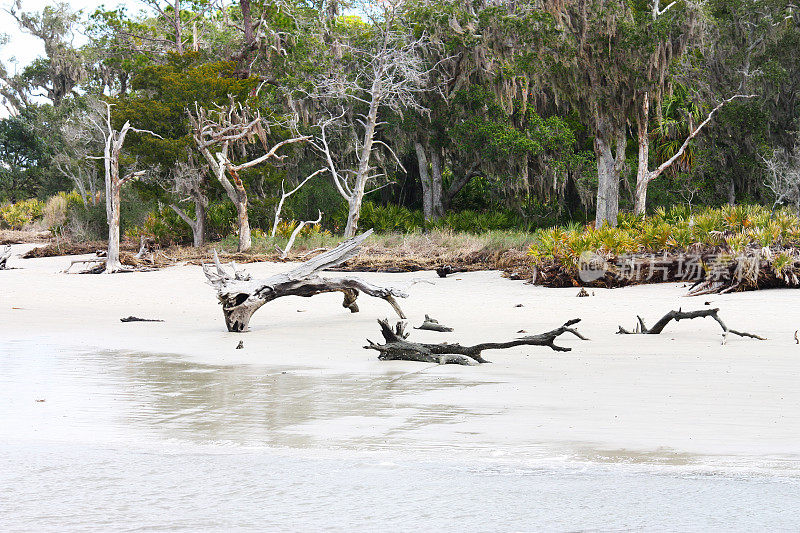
398	348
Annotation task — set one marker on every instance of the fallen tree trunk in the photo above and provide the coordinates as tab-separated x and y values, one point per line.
5	253
398	348
241	296
678	315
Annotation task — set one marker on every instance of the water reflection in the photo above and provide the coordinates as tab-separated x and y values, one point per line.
124	395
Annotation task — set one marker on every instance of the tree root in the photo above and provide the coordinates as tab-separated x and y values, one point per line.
398	348
642	329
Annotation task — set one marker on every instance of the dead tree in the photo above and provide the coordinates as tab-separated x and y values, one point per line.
285	195
221	131
112	146
384	69
398	348
5	253
242	296
783	177
296	232
189	180
643	174
678	315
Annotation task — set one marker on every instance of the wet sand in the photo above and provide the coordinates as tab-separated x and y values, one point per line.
663	399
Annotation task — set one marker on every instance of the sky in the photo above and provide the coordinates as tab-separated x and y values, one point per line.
24	47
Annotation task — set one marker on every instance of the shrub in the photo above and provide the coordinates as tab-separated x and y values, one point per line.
56	209
164	226
18	215
731	228
220	219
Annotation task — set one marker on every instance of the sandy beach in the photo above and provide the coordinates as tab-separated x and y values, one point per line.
612	398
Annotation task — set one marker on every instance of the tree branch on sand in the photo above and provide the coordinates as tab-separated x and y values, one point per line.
241	296
398	348
5	253
659	326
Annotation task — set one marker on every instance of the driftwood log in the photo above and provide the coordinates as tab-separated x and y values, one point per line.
241	296
431	324
678	315
398	348
5	253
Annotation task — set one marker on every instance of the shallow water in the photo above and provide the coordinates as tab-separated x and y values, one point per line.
125	441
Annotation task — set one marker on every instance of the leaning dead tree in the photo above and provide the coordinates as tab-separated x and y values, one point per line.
5	253
296	232
398	348
217	133
679	315
643	174
242	296
285	195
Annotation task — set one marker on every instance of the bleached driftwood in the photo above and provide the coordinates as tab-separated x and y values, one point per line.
242	296
398	348
685	315
431	324
5	253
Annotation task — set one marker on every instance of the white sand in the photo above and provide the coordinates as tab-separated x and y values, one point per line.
678	393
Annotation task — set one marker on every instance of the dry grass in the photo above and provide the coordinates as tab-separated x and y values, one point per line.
391	252
10	236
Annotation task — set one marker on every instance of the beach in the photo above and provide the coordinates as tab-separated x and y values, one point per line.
679	401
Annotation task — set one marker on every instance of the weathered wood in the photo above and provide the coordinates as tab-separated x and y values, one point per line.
242	296
431	324
678	315
137	319
398	348
5	254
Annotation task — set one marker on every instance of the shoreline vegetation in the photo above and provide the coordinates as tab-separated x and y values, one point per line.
727	249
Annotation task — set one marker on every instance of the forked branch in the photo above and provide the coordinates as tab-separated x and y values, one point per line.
398	348
678	315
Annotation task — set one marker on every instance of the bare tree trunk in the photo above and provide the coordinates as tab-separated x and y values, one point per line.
643	174
245	241
425	180
607	183
178	28
362	175
437	207
111	163
198	225
112	216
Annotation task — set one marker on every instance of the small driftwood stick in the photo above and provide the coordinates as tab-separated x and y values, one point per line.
137	319
241	296
5	253
431	324
398	348
659	326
